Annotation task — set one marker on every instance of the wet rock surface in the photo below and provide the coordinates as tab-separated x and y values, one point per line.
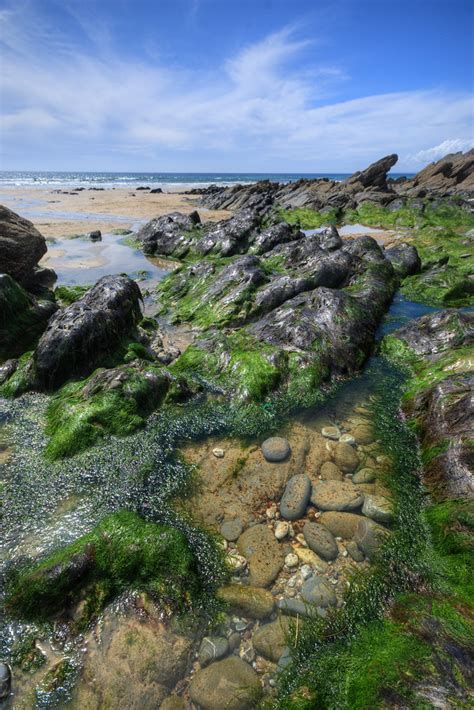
230	683
80	336
21	247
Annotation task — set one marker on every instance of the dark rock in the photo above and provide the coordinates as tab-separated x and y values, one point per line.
231	236
80	336
296	607
156	191
168	234
211	649
95	236
405	260
7	370
375	175
435	333
320	540
21	246
280	233
296	497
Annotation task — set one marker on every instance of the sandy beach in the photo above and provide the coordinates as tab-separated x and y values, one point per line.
58	214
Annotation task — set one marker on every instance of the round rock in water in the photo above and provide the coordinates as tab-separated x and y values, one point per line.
331	432
212	648
231	530
369	537
336	495
330	472
5	680
296	497
365	475
317	591
320	540
276	449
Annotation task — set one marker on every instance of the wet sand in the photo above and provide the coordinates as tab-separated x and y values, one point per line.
57	214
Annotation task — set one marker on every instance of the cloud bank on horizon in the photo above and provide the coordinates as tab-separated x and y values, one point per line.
74	96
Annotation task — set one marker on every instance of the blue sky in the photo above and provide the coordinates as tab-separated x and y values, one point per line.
227	85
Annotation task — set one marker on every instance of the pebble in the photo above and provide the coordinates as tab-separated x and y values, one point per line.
336	495
281	530
247	652
331	432
231	530
296	607
378	508
316	590
306	572
308	557
271	512
212	648
347	439
218	453
365	475
291	560
354	551
237	562
276	449
295	498
320	540
301	540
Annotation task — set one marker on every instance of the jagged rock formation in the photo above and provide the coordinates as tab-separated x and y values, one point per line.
452	175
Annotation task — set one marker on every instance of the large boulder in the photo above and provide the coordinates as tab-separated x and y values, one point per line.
169	234
80	336
21	246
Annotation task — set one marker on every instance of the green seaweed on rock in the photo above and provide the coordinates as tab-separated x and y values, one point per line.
122	551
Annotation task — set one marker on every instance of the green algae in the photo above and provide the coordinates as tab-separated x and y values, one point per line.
306	218
66	295
21	319
77	418
122	551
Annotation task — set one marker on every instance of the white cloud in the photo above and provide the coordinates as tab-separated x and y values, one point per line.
259	110
453	145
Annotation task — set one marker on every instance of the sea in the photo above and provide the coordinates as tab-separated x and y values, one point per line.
167	181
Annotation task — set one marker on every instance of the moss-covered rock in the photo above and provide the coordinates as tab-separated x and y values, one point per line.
123	550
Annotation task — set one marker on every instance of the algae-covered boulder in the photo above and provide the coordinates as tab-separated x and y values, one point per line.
168	234
80	336
23	317
250	601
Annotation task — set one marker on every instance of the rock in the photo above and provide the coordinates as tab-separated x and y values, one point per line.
276	449
365	475
129	659
230	236
375	175
280	233
264	555
296	497
237	562
5	680
331	432
378	508
336	495
95	236
212	648
308	557
250	601
218	453
306	572
156	191
270	639
369	537
230	684
80	336
281	530
355	552
21	247
340	524
317	591
320	540
231	529
362	433
330	472
435	333
169	234
296	607
291	560
345	457
174	702
347	439
404	258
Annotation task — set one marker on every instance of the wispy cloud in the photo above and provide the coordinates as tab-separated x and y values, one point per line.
263	105
453	145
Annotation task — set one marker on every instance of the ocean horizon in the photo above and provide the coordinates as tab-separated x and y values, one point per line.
31	178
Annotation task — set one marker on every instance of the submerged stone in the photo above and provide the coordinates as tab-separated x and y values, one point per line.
230	684
276	449
296	497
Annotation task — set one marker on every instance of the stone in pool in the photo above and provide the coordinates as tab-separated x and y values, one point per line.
296	497
378	508
336	495
231	529
231	684
317	591
320	540
276	449
212	648
369	537
365	475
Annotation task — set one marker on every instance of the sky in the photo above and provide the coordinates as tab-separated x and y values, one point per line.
233	85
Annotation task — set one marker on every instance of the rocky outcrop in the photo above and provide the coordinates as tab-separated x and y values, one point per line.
21	247
439	348
452	175
168	234
80	336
